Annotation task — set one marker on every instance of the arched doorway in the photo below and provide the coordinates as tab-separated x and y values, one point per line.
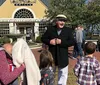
25	28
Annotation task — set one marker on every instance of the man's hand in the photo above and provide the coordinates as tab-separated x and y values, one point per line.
53	42
58	41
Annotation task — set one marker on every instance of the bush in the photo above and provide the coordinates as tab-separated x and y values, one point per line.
38	39
99	41
4	40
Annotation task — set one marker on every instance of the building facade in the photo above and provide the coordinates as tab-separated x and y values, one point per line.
21	17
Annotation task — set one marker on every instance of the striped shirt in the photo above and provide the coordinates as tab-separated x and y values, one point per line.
87	70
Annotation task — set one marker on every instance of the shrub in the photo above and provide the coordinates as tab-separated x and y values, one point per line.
4	40
38	39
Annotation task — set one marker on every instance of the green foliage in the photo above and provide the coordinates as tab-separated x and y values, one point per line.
77	11
4	40
73	9
93	12
38	39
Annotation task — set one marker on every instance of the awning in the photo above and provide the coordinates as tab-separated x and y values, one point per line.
12	20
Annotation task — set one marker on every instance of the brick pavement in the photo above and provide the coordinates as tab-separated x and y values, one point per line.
71	61
71	77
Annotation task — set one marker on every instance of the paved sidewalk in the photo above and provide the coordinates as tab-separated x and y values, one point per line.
36	46
71	76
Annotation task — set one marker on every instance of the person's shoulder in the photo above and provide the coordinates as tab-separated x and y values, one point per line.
68	28
81	59
2	53
96	60
46	70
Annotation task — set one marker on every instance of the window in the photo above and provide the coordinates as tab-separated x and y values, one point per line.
23	13
4	28
23	2
42	27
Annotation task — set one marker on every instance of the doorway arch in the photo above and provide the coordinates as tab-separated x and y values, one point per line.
26	28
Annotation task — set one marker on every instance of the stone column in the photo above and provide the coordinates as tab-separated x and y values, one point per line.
36	30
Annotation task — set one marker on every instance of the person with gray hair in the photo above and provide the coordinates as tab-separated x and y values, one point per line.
8	72
79	41
59	38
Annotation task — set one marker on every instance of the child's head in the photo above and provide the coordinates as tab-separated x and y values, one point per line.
46	59
8	48
90	47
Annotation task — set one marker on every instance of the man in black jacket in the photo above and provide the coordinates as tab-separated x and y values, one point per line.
59	38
